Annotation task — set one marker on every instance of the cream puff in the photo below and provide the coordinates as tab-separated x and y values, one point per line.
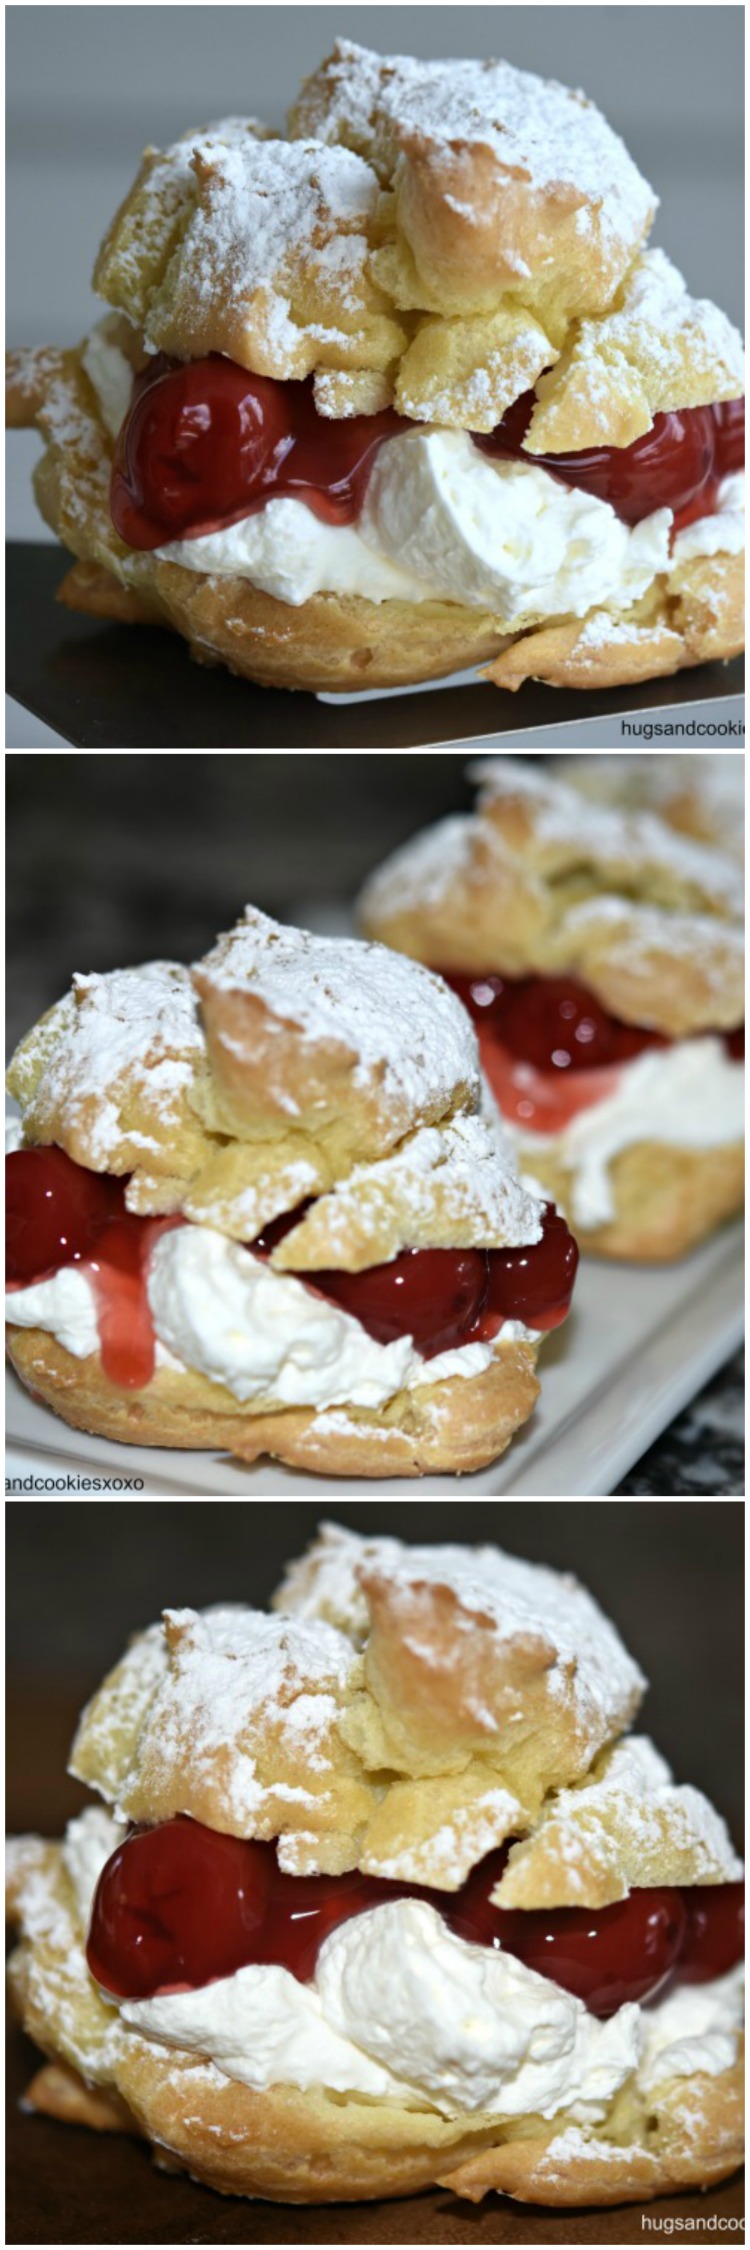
257	1208
383	1895
402	392
601	957
701	795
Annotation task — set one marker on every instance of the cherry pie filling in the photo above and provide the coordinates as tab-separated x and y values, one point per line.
204	443
179	1905
58	1214
550	1049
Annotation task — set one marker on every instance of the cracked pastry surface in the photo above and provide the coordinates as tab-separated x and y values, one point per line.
543	882
430	243
348	1725
322	1090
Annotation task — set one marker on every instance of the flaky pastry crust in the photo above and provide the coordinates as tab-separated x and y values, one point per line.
701	795
369	1648
538	882
451	1427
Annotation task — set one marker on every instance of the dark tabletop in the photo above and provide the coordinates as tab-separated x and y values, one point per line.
104	686
79	1580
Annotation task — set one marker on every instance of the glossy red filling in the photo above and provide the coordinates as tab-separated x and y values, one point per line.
205	443
549	1049
679	463
59	1214
179	1905
447	1298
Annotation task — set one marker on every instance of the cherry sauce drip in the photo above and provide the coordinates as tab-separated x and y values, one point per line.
58	1214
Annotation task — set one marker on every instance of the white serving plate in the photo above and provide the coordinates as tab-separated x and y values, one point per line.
640	1343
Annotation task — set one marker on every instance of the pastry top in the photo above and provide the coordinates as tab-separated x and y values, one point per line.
438	235
700	795
405	1710
503	180
284	1067
255	247
540	880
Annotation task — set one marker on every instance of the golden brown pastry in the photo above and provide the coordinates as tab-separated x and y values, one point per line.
400	393
435	1736
699	795
601	956
256	1208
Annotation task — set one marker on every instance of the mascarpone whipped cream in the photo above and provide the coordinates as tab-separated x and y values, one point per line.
442	520
694	2028
401	2008
690	1095
723	533
223	1313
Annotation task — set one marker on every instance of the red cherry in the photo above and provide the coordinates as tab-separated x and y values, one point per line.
275	1229
715	1934
669	467
180	1904
176	1905
206	443
55	1211
535	1284
555	1023
192	449
432	1295
446	1298
304	1909
729	435
605	1955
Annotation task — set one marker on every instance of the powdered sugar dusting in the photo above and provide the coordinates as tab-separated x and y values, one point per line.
259	202
462	1165
540	131
631	1805
406	1030
650	931
132	1035
611	836
659	316
230	1674
589	1661
447	1857
421	871
712	785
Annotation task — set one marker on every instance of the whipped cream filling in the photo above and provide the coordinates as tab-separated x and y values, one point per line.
442	521
689	1095
723	533
400	2008
221	1312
